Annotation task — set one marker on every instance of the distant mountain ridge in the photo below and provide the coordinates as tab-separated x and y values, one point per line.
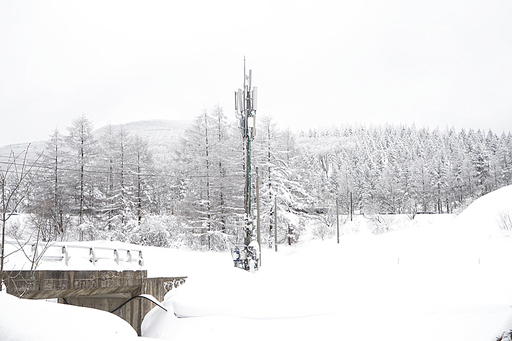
159	133
148	126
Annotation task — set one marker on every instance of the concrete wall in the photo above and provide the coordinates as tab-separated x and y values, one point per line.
58	284
131	312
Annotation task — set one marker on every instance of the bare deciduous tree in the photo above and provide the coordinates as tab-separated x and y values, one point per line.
16	179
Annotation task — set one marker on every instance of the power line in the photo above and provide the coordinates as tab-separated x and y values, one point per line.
127	172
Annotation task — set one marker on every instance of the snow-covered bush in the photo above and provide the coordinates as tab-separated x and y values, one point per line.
14	230
123	233
151	232
218	240
350	227
380	223
293	234
161	231
85	231
322	231
506	336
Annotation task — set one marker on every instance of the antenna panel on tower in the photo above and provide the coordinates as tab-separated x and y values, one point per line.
255	98
240	96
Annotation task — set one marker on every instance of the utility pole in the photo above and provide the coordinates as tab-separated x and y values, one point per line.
351	207
245	108
258	221
275	222
337	221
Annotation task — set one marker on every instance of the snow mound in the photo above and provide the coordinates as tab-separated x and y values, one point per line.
28	320
484	215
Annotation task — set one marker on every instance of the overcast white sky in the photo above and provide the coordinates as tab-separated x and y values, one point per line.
434	63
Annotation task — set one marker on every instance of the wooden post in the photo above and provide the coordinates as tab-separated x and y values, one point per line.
337	221
275	223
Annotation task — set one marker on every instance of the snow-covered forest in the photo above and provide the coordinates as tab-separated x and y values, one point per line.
187	189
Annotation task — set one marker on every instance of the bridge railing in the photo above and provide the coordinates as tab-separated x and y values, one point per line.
63	252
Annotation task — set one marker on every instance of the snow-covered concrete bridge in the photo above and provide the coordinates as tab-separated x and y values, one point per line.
105	278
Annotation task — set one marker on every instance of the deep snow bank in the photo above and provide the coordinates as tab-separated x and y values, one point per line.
444	279
483	216
29	320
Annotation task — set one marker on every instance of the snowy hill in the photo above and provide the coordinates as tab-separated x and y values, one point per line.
160	135
35	149
157	132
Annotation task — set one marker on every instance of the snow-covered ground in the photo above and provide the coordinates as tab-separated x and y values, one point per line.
438	277
31	320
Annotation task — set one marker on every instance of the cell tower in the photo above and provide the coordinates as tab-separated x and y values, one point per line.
247	256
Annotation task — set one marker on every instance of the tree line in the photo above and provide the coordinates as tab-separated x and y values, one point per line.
117	186
398	169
